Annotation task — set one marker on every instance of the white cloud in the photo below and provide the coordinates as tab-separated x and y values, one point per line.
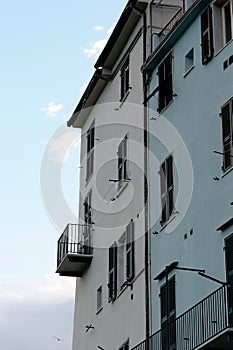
60	147
96	48
52	109
98	28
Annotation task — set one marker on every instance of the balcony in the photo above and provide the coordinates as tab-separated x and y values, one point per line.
74	251
165	15
207	326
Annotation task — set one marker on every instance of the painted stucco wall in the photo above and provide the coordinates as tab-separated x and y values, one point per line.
125	317
194	114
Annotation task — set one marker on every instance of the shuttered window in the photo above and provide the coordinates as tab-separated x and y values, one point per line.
167	189
124	78
227	22
227	137
130	251
112	274
165	77
126	260
122	161
207	36
87	228
168	315
229	273
90	151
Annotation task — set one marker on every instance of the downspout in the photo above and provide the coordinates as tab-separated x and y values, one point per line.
145	139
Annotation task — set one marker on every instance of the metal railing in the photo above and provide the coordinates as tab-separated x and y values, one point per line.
75	239
173	21
196	326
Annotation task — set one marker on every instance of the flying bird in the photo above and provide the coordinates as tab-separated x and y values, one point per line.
58	339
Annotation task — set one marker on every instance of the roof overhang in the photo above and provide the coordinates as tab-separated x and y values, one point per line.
107	59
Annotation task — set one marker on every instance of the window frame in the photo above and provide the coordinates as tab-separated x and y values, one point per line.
227	139
207	46
124	79
168	315
123	164
165	78
90	144
99	299
112	273
126	256
223	18
166	189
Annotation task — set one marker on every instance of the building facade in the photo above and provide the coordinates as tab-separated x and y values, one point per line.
152	250
190	176
105	250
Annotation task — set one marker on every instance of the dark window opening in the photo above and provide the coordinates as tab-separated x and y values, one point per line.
112	274
207	36
227	135
167	189
124	78
90	151
165	82
168	315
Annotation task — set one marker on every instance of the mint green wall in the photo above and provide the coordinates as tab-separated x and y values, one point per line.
194	113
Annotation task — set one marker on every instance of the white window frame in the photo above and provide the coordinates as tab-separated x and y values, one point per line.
224	21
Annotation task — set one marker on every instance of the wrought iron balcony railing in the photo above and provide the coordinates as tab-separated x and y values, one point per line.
207	325
74	251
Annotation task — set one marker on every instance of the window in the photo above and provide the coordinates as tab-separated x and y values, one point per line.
124	78
167	189
125	346
227	134
168	315
90	151
189	60
122	161
88	222
207	36
227	22
112	273
223	13
229	273
165	82
126	263
99	301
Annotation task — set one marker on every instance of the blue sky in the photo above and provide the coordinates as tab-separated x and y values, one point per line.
48	49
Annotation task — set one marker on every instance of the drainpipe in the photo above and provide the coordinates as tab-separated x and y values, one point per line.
145	140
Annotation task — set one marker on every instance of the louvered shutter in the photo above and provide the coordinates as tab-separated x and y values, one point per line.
207	36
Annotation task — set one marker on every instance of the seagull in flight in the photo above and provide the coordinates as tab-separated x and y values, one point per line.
58	339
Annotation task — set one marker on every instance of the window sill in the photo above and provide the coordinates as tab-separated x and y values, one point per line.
164	109
125	97
227	172
222	48
172	217
188	71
